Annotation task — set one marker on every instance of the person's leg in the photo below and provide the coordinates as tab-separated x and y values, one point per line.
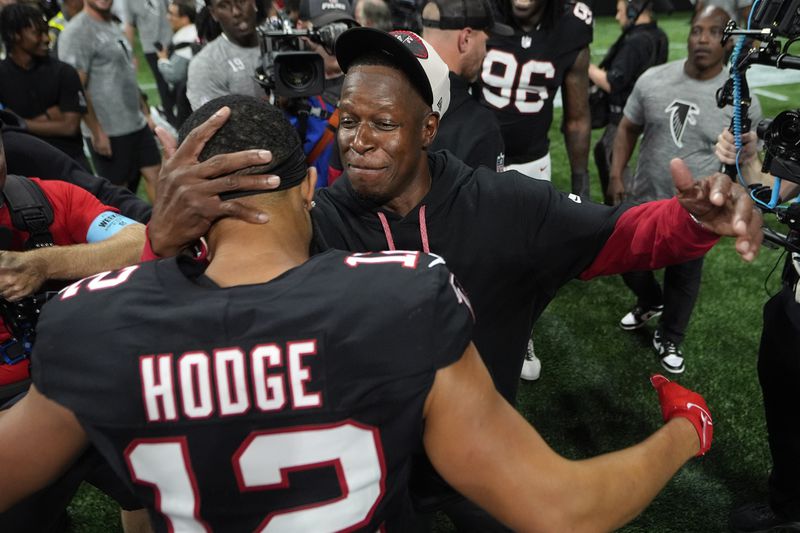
681	286
778	374
148	160
165	94
646	288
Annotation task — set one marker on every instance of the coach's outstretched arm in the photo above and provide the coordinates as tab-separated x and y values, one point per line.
490	454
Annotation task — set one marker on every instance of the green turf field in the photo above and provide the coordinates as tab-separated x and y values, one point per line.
594	396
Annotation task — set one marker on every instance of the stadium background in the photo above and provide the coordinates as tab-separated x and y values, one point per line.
594	395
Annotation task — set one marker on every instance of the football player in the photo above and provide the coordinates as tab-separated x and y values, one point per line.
521	74
276	391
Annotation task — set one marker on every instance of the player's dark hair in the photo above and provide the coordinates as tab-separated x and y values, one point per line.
253	124
186	8
16	17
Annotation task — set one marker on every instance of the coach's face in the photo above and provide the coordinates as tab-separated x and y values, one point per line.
384	129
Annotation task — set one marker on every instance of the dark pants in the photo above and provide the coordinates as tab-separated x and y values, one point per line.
681	286
779	374
602	158
164	92
129	154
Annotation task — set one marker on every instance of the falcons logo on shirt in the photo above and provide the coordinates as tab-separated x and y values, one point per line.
681	115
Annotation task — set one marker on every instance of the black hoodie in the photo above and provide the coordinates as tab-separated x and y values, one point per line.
512	241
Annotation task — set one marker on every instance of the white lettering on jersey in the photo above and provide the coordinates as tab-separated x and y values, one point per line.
229	370
575	198
157	390
583	12
300	374
195	380
527	98
236	64
268	385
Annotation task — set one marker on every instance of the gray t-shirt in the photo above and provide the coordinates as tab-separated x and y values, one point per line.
223	68
150	19
681	119
101	50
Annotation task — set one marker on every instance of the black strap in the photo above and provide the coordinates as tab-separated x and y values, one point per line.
30	210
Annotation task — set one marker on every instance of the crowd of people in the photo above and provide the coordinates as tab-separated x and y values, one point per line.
291	218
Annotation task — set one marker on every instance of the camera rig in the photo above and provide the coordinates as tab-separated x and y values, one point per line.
769	20
20	318
288	69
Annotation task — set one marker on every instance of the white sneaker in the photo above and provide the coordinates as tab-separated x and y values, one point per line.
532	366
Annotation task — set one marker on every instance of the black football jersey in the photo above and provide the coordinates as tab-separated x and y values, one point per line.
286	406
521	74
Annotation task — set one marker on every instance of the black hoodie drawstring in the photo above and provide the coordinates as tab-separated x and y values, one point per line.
423	230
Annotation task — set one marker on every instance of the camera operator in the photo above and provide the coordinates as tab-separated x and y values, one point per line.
317	118
226	64
778	370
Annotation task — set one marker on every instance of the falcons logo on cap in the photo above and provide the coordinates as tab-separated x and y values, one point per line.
682	113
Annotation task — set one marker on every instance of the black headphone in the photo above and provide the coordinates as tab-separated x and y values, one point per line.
634	9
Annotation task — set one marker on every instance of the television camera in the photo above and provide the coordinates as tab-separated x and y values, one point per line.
769	20
288	68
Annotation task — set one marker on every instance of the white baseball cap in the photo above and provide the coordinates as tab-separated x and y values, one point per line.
409	52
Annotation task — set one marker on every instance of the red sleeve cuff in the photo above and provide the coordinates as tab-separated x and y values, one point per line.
651	236
147	253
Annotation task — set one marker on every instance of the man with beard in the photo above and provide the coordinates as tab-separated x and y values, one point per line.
227	64
674	105
122	146
512	241
44	92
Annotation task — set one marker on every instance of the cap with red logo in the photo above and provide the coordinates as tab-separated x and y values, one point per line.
409	52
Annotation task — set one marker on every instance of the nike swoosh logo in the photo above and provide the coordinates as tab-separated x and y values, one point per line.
705	420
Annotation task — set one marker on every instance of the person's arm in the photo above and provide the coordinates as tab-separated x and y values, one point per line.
39	440
55	123
485	449
130	33
23	273
577	125
624	143
599	77
173	69
100	141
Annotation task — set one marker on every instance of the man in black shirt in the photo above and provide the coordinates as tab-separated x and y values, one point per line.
458	31
643	45
44	91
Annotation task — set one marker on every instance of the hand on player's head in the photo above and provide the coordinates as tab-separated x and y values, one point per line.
677	401
723	207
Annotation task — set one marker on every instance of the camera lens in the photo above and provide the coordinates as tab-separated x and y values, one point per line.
297	74
787	125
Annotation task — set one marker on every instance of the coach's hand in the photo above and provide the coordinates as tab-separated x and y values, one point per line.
722	206
187	193
677	401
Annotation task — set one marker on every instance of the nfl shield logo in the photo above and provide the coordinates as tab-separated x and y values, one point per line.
526	41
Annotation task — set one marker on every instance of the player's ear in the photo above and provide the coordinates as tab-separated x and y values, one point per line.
308	185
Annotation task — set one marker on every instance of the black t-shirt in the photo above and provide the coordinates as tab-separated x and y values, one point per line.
298	401
469	130
28	155
512	242
49	82
644	46
521	74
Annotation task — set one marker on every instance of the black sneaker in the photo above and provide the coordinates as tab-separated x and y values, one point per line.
638	317
670	354
759	518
